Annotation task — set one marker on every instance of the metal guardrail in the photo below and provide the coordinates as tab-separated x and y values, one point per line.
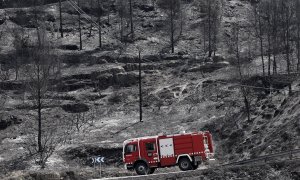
266	158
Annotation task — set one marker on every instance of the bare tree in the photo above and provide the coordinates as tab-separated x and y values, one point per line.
286	16
275	24
172	8
269	33
123	13
54	133
80	121
245	91
212	9
40	74
182	17
268	15
259	31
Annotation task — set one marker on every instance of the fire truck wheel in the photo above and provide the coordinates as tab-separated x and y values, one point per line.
151	171
185	164
141	168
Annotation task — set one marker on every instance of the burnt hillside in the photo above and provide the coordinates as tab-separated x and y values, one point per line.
224	76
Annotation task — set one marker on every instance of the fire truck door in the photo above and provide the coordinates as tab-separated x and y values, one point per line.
151	153
167	154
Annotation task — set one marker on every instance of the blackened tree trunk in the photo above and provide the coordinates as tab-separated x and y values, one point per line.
244	91
140	88
259	35
79	27
39	109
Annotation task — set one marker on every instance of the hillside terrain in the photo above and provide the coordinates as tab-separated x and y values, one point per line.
182	91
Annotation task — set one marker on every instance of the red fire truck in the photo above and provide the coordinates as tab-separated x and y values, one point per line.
187	150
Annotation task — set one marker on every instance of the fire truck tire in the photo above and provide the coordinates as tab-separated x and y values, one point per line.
151	171
185	164
141	168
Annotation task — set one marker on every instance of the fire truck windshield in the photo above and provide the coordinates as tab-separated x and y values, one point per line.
130	148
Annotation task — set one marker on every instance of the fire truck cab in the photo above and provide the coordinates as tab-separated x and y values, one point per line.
187	150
